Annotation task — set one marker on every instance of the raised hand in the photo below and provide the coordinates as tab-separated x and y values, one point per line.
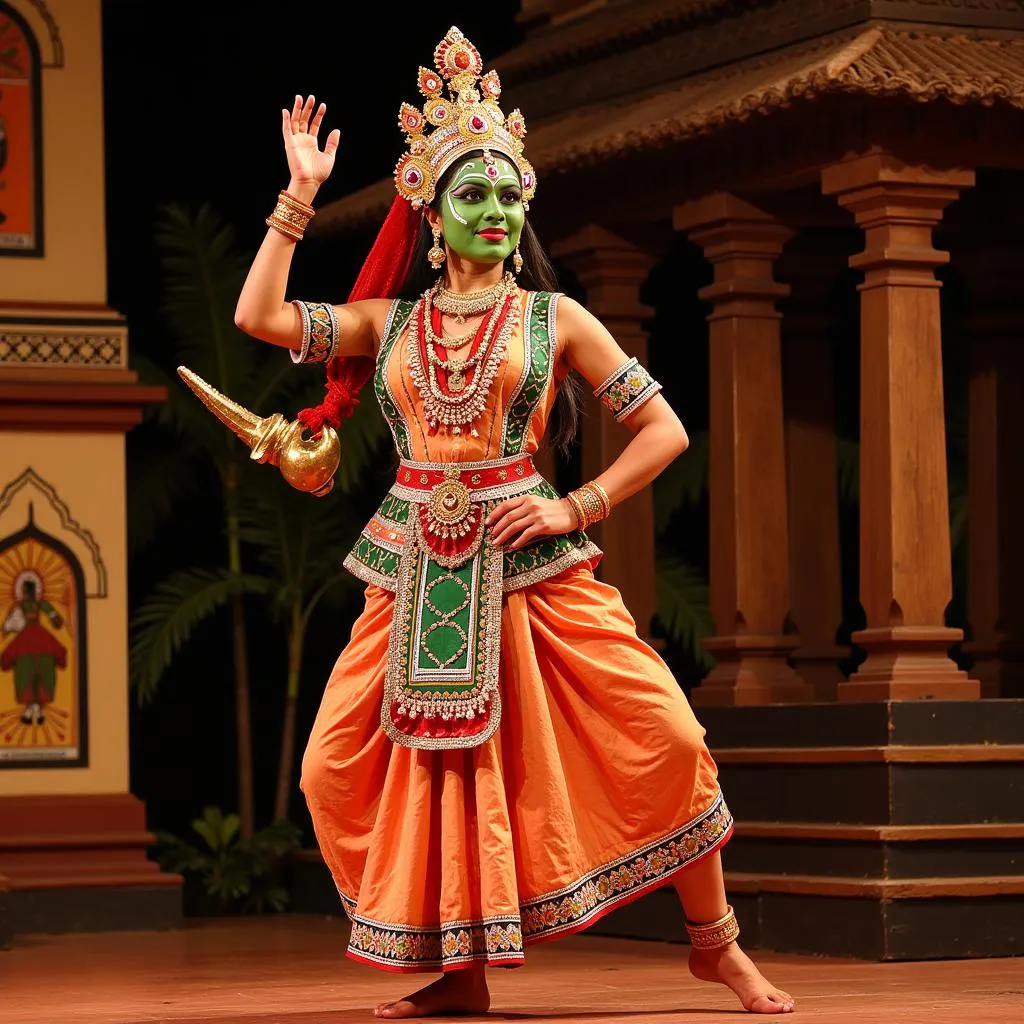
309	165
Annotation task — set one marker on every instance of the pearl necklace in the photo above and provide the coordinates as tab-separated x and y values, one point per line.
451	344
463	304
458	409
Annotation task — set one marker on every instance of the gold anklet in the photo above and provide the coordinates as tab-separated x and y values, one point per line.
716	934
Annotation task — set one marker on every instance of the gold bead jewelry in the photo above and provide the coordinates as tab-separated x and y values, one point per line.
451	344
715	934
517	260
577	510
602	494
461	305
290	216
590	503
435	254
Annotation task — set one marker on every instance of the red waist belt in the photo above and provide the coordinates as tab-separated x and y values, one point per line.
450	522
492	479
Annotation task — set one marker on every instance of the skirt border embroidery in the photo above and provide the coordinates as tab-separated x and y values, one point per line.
501	940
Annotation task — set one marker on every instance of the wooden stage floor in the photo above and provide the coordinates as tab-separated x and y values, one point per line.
291	970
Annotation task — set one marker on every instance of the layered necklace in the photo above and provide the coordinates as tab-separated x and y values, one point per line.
454	388
459	305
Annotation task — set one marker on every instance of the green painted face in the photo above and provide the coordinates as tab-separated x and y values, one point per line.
482	212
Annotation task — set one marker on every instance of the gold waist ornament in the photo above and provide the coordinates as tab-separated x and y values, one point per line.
307	463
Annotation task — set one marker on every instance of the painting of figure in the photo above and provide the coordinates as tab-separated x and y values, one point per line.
40	651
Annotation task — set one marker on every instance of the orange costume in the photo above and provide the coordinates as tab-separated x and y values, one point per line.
459	832
498	759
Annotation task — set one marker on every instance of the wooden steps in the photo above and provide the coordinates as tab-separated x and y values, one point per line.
82	863
886	831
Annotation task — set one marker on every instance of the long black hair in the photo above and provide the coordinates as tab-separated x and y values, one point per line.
537	275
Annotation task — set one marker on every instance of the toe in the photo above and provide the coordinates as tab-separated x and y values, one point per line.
770	1003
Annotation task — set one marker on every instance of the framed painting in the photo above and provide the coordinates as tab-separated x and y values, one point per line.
21	190
42	653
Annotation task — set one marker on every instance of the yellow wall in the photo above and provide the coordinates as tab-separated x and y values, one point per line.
74	267
87	471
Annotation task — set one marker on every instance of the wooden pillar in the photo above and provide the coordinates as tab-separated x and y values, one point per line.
905	570
749	552
612	271
995	598
811	266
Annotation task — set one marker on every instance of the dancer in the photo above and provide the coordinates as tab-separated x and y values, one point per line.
498	759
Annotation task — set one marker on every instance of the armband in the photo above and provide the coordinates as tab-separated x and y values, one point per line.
628	388
319	332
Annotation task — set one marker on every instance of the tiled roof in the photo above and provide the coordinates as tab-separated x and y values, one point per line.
878	61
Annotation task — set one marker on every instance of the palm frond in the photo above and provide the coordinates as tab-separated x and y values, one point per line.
275	383
203	270
182	412
682	607
682	482
158	481
169	615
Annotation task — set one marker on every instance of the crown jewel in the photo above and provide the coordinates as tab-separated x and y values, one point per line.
446	129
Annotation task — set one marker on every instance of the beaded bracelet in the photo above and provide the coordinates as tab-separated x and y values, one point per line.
290	216
590	504
577	510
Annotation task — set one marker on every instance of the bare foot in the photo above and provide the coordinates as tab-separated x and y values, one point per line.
454	993
732	967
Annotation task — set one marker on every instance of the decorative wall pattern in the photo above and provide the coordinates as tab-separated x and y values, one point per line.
52	348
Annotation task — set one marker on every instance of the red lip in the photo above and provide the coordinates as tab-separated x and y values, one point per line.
493	234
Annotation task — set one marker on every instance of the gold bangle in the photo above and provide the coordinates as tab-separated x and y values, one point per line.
715	934
592	503
578	510
286	229
296	204
606	502
290	216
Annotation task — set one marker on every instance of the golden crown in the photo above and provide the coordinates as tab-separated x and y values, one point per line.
471	119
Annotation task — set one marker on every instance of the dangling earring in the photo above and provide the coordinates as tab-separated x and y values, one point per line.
436	254
517	260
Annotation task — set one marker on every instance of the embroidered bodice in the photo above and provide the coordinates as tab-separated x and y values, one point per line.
512	424
517	407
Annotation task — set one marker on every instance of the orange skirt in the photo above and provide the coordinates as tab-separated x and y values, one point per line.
596	788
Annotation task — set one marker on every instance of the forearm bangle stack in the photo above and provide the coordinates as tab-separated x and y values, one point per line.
290	216
590	504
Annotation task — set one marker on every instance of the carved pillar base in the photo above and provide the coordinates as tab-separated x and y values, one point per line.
905	565
908	663
819	668
750	670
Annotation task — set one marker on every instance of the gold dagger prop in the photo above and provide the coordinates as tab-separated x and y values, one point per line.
307	463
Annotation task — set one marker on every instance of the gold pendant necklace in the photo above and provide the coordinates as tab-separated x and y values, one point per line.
462	304
459	408
451	344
